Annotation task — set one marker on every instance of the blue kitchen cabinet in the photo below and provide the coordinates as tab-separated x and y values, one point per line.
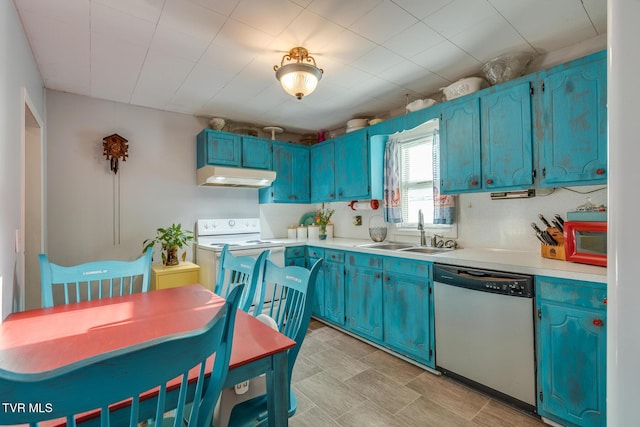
408	308
460	147
506	141
218	148
322	179
334	286
571	123
313	255
256	152
571	351
363	294
359	165
295	255
291	164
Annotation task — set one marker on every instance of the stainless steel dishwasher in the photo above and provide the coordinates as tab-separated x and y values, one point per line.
484	324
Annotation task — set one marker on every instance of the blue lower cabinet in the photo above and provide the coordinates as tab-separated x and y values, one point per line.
313	255
334	287
363	286
408	309
571	351
295	255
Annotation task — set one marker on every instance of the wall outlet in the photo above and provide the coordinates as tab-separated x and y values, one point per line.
242	388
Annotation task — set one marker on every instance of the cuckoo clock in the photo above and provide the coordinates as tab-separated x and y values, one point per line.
115	148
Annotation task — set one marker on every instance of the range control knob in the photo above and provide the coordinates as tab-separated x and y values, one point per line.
232	223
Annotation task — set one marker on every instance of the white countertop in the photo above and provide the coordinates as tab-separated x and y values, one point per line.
493	259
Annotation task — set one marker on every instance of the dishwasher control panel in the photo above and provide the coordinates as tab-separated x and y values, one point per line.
497	282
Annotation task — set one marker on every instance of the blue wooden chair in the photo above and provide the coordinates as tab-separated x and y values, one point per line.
292	294
117	380
94	280
234	270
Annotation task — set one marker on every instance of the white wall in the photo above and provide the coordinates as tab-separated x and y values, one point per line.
18	70
87	220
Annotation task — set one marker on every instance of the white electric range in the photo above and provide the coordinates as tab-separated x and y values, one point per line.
243	237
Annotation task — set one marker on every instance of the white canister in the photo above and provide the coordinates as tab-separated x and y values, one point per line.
329	231
292	232
302	232
313	231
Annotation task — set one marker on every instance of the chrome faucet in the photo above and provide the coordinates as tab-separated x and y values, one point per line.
423	239
434	241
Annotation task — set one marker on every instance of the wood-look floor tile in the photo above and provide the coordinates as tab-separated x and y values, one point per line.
368	414
382	390
315	417
426	413
330	394
338	364
450	394
304	404
304	368
351	346
393	367
325	333
498	414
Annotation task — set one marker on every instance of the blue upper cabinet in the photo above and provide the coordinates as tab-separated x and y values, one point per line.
291	163
460	147
358	166
571	123
218	148
506	142
256	152
230	149
323	167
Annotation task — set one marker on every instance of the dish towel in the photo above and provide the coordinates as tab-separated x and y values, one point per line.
444	206
392	201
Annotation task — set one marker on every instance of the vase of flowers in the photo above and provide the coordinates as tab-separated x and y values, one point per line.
323	217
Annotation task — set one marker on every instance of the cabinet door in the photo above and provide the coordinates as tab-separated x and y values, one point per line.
460	148
507	158
318	299
408	316
256	152
572	134
218	148
572	364
334	292
352	167
364	301
291	163
322	178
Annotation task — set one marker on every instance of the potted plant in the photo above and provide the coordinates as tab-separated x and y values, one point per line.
171	238
323	216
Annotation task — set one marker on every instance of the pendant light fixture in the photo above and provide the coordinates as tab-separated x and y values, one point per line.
300	75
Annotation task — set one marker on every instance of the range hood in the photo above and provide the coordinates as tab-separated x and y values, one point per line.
220	176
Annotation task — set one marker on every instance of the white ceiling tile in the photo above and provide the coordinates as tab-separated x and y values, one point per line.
190	18
160	78
597	14
171	42
459	15
490	38
377	60
421	8
412	77
223	7
310	31
69	11
115	67
342	12
342	75
148	10
459	64
383	22
110	22
413	40
347	47
269	16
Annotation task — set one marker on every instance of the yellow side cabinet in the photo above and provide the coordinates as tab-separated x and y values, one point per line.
185	273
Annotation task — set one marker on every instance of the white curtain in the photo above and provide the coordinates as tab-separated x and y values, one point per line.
392	202
444	206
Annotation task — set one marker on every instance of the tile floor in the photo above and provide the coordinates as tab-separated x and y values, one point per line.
341	381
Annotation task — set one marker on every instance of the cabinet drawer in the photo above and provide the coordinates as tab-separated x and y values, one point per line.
573	292
364	260
186	273
409	267
294	251
313	252
333	256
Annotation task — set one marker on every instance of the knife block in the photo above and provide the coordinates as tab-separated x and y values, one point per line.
554	251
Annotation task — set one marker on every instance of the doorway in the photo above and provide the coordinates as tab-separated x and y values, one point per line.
32	223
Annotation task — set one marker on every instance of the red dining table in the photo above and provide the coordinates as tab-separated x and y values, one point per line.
43	339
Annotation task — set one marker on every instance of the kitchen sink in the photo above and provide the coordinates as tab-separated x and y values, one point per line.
426	250
388	245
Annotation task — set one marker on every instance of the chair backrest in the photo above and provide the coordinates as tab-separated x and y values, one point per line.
95	279
121	376
291	292
234	270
